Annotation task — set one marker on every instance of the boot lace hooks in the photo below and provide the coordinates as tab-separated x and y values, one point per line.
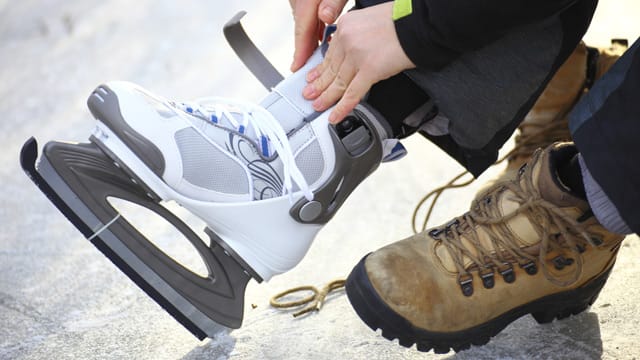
257	122
504	250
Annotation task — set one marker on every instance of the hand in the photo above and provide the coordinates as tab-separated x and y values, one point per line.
364	50
310	17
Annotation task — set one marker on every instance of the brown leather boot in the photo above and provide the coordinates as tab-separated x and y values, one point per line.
529	246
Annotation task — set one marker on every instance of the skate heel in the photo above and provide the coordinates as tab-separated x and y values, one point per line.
561	306
105	107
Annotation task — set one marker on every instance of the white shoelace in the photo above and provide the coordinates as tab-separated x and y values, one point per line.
267	128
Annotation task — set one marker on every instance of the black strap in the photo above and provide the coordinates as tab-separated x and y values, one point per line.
250	55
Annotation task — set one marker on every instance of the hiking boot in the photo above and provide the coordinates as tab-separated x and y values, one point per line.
529	246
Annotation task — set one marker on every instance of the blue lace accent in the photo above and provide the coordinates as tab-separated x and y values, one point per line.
265	145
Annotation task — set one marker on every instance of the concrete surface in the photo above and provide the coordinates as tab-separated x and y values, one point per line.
61	299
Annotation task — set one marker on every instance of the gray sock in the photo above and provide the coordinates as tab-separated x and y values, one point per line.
604	210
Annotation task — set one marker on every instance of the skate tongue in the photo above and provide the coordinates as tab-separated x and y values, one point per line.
286	102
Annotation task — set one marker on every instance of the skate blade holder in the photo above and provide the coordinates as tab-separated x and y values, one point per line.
79	178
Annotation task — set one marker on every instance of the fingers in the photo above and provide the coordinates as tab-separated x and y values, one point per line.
339	80
329	10
358	88
307	25
364	50
332	71
310	18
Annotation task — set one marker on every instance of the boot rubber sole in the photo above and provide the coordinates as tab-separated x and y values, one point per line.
378	315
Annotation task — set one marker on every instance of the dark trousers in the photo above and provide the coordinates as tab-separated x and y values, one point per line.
481	96
605	126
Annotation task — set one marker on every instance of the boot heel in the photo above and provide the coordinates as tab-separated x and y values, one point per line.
571	302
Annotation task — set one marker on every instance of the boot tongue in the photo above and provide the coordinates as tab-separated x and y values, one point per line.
542	172
286	103
546	178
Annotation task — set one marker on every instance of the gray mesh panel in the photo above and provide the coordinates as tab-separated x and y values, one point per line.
310	162
207	167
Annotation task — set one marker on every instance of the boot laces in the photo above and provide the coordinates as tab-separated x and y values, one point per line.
267	130
505	249
540	136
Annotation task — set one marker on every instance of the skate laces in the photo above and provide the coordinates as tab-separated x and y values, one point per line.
504	250
258	123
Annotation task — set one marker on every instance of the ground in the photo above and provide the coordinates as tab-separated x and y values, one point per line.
61	299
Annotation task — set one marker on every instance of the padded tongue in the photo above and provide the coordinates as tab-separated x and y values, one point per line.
548	181
286	102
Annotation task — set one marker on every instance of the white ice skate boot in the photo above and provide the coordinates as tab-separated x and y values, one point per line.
264	178
278	166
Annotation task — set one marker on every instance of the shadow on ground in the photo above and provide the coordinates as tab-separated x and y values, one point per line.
577	337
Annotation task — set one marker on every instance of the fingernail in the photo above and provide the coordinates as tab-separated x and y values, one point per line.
308	91
317	105
328	13
312	75
333	118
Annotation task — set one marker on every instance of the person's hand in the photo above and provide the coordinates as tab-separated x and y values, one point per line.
310	17
364	50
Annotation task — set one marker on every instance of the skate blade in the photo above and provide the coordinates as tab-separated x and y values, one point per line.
78	179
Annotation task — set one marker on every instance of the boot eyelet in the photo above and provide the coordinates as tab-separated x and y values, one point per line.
522	169
466	285
451	223
596	241
435	233
530	268
560	262
508	275
488	280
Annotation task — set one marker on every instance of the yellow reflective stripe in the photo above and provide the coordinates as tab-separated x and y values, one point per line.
401	8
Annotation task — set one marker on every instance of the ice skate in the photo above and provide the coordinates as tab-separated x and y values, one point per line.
264	178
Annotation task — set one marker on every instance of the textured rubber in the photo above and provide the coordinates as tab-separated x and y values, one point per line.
377	315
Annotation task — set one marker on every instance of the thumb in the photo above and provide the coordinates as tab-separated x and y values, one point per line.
306	25
329	10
